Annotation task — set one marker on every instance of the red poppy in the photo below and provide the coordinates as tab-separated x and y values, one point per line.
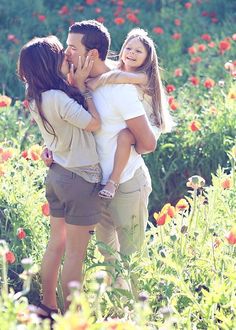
174	105
161	220
133	18
158	30
226	183
231	236
100	19
178	72
171	211
24	154
21	234
170	88
171	99
64	10
176	36
25	103
119	20
177	22
98	10
209	83
10	257
45	209
192	50
202	48
41	18
224	46
194	80
188	5
195	60
194	126
206	37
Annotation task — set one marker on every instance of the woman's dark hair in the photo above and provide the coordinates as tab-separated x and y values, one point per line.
39	67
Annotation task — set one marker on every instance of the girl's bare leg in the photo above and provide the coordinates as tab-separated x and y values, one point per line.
124	142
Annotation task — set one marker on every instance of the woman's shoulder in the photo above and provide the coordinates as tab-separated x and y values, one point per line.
54	92
55	95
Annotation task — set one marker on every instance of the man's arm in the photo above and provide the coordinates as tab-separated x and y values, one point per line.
145	139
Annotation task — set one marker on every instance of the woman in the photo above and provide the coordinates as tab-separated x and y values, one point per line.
72	181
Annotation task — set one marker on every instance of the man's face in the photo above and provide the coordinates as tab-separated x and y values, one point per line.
75	48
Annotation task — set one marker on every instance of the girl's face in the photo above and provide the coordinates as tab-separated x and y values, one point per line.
134	54
65	66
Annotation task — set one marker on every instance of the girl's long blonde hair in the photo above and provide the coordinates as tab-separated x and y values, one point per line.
154	87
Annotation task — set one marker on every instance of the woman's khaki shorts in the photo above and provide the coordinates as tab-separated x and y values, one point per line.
71	197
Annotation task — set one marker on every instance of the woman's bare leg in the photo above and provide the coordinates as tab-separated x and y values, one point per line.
76	247
52	261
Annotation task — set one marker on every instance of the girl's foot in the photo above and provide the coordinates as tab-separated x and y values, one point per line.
109	190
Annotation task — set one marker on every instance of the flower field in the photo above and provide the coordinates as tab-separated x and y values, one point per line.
188	280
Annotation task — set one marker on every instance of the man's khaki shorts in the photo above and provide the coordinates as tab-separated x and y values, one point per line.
71	197
124	219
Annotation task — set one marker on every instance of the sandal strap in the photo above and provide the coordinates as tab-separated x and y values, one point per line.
114	183
47	309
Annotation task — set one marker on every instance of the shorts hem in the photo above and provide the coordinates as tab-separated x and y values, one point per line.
57	213
83	220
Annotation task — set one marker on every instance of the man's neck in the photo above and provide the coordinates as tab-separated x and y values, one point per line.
98	69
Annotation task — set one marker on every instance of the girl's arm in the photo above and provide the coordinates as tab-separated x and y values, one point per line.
117	77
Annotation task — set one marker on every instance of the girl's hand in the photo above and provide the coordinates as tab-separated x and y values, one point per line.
77	77
93	83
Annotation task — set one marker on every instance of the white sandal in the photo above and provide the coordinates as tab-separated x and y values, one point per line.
105	193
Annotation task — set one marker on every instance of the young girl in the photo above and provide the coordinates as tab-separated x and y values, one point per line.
71	183
138	64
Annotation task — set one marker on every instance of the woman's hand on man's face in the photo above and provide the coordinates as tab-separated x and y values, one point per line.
78	77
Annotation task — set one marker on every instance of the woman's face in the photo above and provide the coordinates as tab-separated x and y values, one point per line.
134	54
65	66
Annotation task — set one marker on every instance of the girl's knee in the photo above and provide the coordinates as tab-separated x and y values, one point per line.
125	136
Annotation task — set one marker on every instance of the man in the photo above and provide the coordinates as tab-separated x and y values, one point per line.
124	220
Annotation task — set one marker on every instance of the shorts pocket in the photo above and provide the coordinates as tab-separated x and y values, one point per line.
125	207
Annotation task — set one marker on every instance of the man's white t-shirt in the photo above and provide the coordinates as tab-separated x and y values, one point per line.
116	103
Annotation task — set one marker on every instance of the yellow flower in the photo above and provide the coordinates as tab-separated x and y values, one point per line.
5	101
182	204
35	152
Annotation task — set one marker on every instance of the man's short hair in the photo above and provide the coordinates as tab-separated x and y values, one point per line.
95	36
